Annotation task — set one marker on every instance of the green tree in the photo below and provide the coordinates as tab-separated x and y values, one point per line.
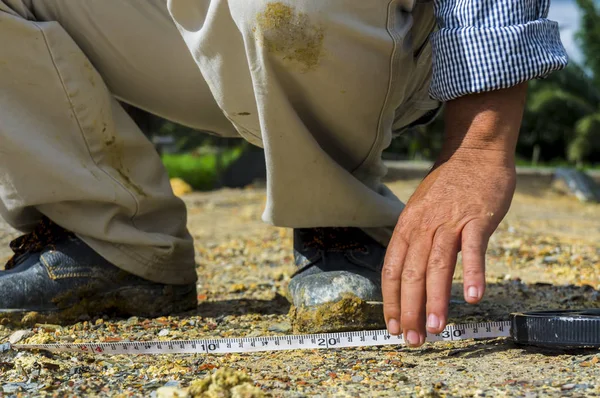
588	37
562	116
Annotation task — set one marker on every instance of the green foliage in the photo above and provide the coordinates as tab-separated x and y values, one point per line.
589	36
587	138
561	116
563	111
202	172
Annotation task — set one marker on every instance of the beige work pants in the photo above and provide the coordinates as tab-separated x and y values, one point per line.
321	85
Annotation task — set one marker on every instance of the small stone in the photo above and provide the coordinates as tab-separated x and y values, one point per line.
11	388
172	383
282	327
171	392
357	379
19	335
550	259
569	386
280	385
164	332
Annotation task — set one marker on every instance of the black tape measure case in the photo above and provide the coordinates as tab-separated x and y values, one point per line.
557	329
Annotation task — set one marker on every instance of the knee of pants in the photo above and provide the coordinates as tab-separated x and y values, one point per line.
280	23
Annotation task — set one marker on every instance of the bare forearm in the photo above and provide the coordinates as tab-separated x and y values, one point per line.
484	125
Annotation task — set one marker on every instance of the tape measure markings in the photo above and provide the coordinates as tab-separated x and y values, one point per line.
364	338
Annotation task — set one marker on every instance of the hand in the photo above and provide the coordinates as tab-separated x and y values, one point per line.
456	208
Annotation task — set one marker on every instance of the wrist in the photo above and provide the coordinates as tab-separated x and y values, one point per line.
480	156
484	126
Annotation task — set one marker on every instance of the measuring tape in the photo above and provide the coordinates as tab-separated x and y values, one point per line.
566	329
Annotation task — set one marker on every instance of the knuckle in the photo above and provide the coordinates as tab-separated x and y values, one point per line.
391	272
417	232
423	228
404	220
473	247
412	276
473	272
438	266
403	230
409	212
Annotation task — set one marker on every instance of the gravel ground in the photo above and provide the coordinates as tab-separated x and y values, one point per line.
545	255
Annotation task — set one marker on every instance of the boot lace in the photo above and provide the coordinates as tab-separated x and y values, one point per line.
335	239
45	234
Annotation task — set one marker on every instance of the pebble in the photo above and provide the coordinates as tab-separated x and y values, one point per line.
11	388
401	377
357	379
171	392
282	327
19	335
164	332
172	383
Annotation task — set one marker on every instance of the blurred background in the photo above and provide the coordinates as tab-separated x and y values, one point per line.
561	126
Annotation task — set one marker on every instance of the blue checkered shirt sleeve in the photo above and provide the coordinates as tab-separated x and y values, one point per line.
484	45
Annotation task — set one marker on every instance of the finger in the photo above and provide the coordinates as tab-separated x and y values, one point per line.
412	292
391	276
440	269
474	244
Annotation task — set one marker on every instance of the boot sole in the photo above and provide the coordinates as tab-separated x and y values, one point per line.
142	301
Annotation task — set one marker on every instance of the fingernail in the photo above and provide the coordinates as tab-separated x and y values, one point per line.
433	321
412	337
473	292
394	327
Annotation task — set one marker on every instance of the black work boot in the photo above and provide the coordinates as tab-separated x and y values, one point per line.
338	283
56	274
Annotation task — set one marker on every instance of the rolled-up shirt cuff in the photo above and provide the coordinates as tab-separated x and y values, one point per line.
475	59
